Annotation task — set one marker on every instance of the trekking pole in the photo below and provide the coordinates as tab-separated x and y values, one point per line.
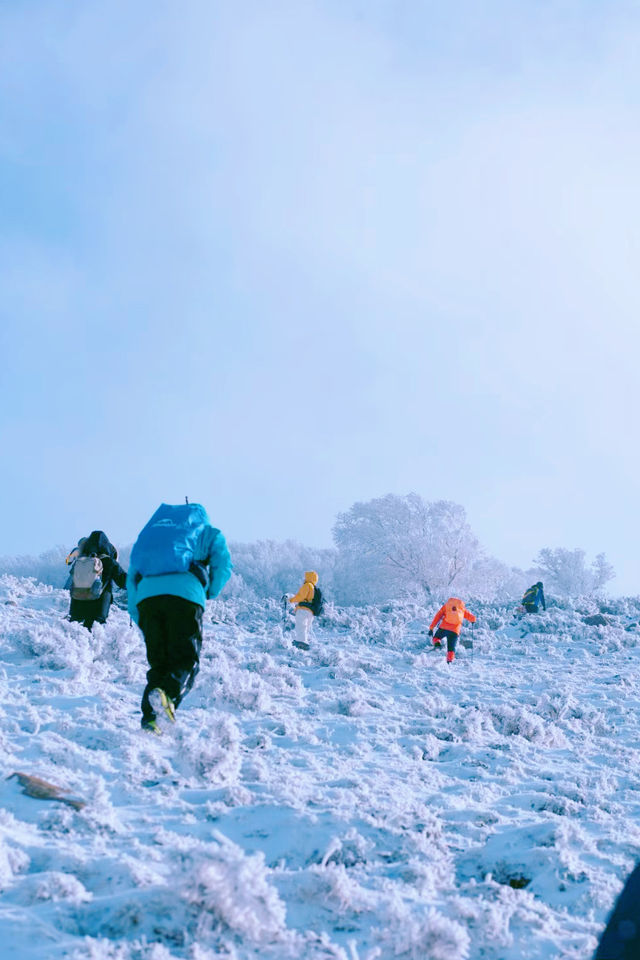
473	635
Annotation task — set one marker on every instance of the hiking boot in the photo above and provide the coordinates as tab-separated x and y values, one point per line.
151	726
450	656
437	645
161	702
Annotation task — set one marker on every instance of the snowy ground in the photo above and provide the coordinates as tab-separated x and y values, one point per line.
359	801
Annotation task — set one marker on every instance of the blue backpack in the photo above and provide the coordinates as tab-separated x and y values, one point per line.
169	541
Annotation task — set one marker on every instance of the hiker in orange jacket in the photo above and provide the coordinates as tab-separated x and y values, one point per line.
450	616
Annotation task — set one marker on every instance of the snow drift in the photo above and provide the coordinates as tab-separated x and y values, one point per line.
359	801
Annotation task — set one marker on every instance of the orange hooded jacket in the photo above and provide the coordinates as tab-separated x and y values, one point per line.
447	625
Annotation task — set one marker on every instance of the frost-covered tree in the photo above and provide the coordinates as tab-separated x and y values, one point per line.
270	568
394	545
603	572
567	573
489	579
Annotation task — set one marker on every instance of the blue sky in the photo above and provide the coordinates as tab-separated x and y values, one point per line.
285	256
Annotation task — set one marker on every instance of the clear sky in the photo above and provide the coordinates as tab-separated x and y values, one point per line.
282	256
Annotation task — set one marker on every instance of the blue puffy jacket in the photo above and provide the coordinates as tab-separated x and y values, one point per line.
211	550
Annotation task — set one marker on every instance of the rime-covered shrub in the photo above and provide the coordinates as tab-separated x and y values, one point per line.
49	567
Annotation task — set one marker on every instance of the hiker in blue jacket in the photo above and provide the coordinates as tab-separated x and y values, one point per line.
533	598
178	562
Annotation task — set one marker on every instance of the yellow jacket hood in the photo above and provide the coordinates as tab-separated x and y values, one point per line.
311	577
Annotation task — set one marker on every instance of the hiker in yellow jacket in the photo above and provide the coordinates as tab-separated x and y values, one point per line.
450	617
304	614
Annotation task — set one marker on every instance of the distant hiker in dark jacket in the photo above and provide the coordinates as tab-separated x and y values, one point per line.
94	570
178	561
533	597
450	617
621	937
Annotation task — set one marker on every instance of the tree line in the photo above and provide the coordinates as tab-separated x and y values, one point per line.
391	547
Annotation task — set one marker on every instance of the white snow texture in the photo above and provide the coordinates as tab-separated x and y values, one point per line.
361	801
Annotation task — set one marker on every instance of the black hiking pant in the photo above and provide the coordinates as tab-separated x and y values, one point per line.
531	607
88	612
621	938
172	629
451	637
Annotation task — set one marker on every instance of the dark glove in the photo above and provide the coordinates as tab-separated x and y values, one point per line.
430	633
200	571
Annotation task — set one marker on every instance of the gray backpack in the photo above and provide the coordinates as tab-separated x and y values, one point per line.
86	578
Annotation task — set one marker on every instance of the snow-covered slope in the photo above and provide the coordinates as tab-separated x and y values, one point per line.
359	801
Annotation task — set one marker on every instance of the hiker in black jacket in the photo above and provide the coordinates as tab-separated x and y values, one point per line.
96	609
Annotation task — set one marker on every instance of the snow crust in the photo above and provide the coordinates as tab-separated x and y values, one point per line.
362	801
